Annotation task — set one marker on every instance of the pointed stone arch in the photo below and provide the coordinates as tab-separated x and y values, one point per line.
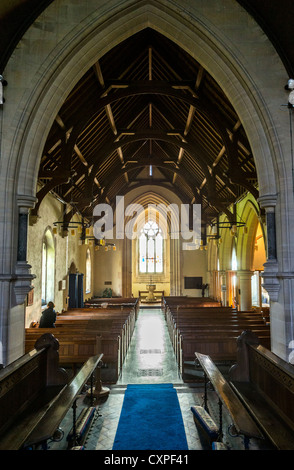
77	38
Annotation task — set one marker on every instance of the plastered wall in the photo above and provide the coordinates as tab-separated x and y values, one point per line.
69	255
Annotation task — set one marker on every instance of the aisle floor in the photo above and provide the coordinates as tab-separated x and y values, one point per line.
150	359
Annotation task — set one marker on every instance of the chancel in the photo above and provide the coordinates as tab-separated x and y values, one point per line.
147	193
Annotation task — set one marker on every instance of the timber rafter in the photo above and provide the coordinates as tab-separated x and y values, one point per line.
147	104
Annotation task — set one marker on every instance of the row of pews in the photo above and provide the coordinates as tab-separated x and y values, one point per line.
258	396
36	391
202	324
104	326
36	394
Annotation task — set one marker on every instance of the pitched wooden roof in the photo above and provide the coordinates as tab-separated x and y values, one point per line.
148	113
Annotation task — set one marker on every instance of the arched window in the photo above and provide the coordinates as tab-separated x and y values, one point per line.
151	249
234	258
88	272
48	268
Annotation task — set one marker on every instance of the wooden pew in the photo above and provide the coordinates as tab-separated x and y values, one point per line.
220	346
66	400
174	301
123	318
76	346
212	330
265	385
173	315
114	302
30	389
243	423
88	331
120	322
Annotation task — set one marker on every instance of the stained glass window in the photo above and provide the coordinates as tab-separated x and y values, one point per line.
88	272
48	268
151	249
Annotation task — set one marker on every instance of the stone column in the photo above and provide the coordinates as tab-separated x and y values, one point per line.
223	286
15	278
270	281
22	284
278	285
175	267
127	268
245	299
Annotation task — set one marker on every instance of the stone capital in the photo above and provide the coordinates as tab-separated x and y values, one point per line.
268	202
25	203
270	279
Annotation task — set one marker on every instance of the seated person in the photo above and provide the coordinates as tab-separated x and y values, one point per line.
48	317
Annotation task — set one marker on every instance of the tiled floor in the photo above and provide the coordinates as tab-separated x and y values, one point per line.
150	359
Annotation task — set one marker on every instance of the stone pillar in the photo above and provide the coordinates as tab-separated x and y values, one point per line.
15	279
223	287
245	300
127	268
175	267
270	281
22	284
278	285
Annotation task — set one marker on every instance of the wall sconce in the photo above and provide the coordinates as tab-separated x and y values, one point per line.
290	86
3	83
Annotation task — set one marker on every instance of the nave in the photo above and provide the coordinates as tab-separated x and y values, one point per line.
150	360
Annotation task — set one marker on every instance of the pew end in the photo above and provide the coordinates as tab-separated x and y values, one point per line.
265	384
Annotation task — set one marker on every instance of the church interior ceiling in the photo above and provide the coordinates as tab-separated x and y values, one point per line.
147	113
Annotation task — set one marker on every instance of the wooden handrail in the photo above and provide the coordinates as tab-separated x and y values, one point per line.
242	421
63	402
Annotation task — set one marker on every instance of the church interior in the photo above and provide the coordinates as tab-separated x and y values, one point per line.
146	155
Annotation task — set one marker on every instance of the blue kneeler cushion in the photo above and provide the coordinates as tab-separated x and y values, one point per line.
207	428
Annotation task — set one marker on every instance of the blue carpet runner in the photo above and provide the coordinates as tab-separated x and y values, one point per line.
150	419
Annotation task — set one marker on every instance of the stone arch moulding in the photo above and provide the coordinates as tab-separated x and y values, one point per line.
201	30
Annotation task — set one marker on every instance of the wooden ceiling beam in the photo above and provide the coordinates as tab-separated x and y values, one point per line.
150	89
108	111
190	117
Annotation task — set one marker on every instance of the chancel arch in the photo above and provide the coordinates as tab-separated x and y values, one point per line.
76	42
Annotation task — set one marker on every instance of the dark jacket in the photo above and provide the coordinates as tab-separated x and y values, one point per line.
48	318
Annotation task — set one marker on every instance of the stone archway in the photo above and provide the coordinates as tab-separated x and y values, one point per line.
73	42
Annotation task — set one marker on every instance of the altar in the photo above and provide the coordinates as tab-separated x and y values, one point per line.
150	296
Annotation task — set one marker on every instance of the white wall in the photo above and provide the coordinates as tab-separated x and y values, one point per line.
194	265
67	251
108	268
